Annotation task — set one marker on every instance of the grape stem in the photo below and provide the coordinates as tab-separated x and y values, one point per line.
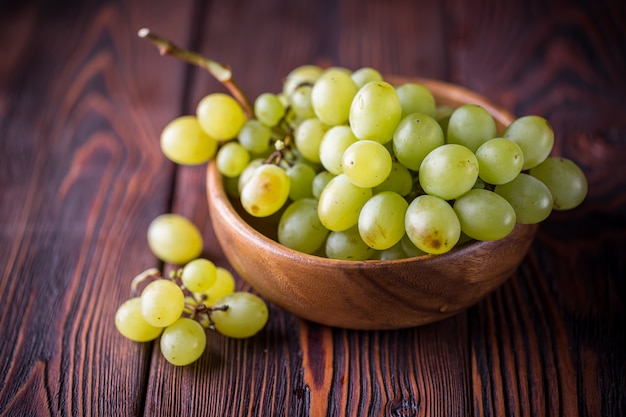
152	273
222	73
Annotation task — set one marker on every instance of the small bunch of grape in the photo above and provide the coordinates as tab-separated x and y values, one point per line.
196	297
357	168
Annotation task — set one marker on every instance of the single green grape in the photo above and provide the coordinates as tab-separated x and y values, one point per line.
162	302
332	95
184	142
266	191
470	125
485	215
529	197
301	177
347	245
174	239
300	102
224	284
220	116
232	159
300	228
366	163
409	247
381	220
375	112
255	137
302	75
308	137
390	254
448	171
320	182
535	137
499	161
415	137
340	203
334	143
246	174
364	75
399	180
198	275
183	342
245	316
268	109
416	98
432	225
565	180
130	322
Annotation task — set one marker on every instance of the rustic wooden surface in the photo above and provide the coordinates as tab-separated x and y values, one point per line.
82	102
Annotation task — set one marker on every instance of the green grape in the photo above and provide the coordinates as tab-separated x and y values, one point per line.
367	163
308	136
224	284
255	136
565	180
409	247
448	171
399	180
499	161
340	203
130	322
529	197
183	342
390	254
266	191
375	112
442	116
415	137
381	221
245	316
247	173
364	75
198	275
535	137
432	225
301	177
484	215
174	239
269	109
332	95
320	181
300	228
334	143
347	245
300	102
471	125
303	75
220	116
416	98
162	302
184	142
232	159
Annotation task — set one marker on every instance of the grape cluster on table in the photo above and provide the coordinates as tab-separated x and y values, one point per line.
354	168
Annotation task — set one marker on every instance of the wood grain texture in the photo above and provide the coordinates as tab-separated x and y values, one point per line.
82	102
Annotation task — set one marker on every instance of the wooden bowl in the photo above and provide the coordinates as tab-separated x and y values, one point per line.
368	294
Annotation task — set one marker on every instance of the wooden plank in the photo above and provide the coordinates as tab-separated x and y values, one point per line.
81	178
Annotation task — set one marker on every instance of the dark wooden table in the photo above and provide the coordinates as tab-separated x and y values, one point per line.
82	103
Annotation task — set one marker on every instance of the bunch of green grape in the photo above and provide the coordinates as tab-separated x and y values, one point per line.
360	169
199	296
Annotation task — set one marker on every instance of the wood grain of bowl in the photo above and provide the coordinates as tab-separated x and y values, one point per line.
368	294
